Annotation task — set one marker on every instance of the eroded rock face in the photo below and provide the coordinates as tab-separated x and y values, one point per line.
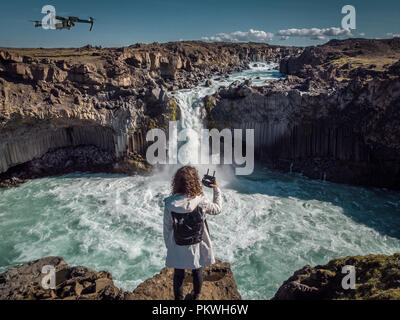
103	96
341	130
343	60
377	277
24	282
82	158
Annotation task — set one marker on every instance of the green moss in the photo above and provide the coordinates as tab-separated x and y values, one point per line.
172	113
152	124
209	103
173	110
378	276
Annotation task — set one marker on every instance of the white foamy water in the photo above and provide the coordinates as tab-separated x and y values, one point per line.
271	225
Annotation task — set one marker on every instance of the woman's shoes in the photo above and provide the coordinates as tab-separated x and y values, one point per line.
189	296
195	296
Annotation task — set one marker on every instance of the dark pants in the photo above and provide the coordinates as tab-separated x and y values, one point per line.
179	275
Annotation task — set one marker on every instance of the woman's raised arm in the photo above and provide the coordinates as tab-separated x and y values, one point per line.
214	207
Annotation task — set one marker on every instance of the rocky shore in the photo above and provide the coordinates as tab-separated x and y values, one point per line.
377	277
24	282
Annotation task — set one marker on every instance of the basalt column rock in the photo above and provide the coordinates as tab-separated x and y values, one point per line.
347	133
16	150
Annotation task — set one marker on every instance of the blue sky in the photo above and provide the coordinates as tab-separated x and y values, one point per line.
121	23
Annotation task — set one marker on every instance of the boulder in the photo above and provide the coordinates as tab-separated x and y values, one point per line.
169	69
24	282
39	72
218	284
19	70
136	60
154	60
10	57
248	82
377	278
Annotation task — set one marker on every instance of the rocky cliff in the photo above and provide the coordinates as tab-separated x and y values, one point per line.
104	98
377	277
335	116
24	282
218	284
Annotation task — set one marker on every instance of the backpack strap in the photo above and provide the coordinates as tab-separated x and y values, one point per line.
205	220
208	230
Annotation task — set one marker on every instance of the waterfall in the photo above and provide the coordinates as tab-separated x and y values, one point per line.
191	104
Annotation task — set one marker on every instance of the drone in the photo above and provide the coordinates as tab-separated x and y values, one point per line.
66	22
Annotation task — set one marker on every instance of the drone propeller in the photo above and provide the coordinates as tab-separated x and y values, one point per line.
37	22
68	22
91	23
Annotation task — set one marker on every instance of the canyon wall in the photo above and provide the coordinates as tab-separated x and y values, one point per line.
334	116
340	129
107	98
24	148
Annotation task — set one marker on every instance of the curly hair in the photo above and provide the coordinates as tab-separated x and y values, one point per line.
186	181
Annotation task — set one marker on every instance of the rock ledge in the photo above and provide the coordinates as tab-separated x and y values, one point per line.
377	278
24	282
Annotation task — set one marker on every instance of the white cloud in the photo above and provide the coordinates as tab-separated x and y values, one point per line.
393	35
242	36
263	36
362	34
314	33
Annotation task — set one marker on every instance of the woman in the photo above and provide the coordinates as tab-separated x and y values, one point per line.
187	198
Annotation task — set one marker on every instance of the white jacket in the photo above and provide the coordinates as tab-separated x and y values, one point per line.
196	255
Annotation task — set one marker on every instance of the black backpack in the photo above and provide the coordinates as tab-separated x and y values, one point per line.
189	227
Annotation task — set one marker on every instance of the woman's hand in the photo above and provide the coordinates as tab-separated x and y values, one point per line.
214	185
